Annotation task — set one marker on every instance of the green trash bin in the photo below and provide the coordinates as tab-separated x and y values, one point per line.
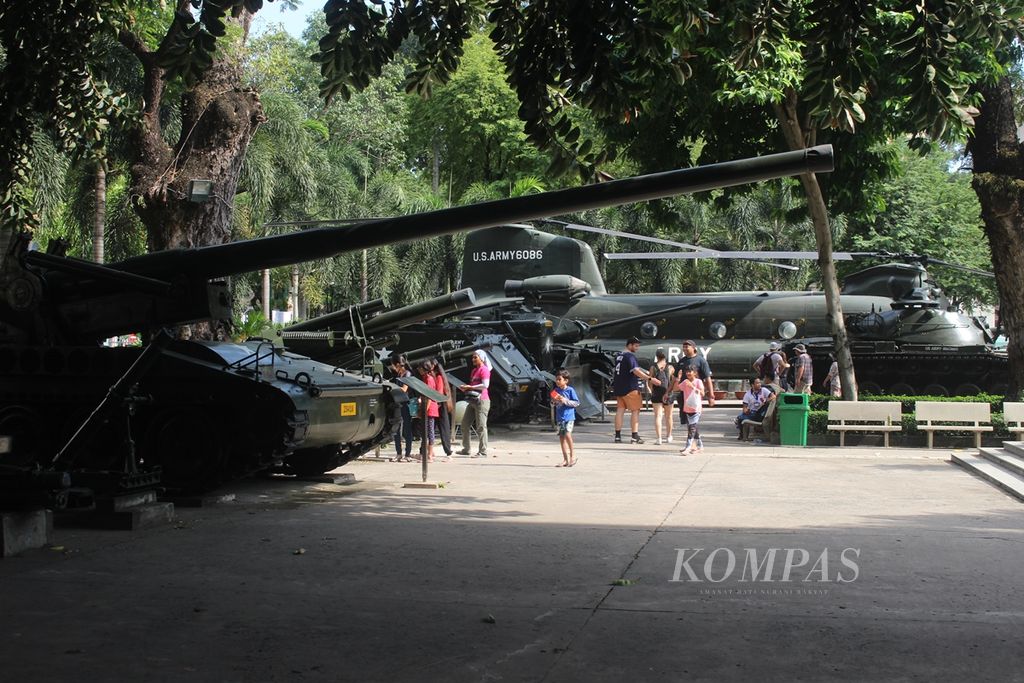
793	411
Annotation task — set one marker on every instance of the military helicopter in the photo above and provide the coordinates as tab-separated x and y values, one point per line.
904	337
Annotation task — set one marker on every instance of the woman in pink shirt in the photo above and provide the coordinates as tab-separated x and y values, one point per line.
428	409
478	401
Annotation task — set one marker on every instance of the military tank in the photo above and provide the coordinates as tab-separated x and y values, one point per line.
194	414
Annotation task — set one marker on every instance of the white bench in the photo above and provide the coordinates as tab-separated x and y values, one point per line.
932	417
865	416
1013	415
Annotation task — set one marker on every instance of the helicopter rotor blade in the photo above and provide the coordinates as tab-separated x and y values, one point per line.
632	236
325	223
698	252
966	269
923	259
656	255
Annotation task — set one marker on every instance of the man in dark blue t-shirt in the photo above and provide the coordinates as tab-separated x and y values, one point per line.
627	381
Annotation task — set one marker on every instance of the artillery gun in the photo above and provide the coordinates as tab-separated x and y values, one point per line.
197	413
344	337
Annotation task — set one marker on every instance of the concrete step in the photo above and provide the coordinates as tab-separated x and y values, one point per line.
26	530
128	519
1014	447
1005	459
1008	481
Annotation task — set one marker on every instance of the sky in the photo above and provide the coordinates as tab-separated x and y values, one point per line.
294	20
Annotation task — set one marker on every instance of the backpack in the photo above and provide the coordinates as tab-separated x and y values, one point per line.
791	375
765	369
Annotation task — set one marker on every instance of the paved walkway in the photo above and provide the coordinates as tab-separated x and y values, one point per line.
901	567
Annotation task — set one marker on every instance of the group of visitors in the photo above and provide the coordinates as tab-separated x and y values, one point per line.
795	374
689	384
435	416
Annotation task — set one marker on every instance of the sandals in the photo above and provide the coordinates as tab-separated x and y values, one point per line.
571	462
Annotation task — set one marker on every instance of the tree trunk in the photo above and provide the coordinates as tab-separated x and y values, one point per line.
793	131
218	120
100	213
266	293
362	280
293	294
998	158
435	177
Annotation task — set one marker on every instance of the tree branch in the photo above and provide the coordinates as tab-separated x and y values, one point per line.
134	45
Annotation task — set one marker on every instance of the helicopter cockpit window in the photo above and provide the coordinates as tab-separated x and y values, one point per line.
717	330
648	330
787	330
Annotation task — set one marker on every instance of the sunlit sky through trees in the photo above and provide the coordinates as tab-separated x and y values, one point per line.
294	21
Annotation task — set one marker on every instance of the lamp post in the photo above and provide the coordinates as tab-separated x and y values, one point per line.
200	190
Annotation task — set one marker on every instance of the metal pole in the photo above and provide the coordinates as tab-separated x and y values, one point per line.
423	421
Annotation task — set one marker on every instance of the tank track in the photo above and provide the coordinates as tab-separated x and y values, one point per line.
909	372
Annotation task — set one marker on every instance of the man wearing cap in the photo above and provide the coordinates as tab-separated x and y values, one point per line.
691	357
627	381
802	372
771	365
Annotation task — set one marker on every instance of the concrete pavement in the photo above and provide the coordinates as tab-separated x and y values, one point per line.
519	570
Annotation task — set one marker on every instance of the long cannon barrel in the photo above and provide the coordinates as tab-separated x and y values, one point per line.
282	250
425	310
440	348
330	337
340	318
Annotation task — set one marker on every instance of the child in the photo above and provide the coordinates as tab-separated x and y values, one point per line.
428	411
693	396
565	399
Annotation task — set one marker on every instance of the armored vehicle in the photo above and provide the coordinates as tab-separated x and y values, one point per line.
200	412
905	338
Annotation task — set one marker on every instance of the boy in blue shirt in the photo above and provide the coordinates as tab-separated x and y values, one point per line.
565	400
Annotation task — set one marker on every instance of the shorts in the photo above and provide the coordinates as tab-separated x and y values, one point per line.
689	418
630	401
565	427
